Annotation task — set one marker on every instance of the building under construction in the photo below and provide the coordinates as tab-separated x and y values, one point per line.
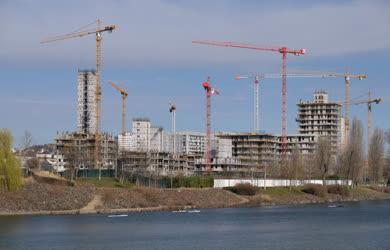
86	101
321	117
259	149
78	149
158	163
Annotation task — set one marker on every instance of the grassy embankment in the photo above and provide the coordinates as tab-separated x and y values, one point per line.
104	182
110	196
311	194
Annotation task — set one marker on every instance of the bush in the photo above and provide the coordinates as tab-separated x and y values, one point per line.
243	189
314	189
338	189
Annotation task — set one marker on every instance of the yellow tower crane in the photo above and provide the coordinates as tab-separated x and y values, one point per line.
369	103
124	94
97	31
347	77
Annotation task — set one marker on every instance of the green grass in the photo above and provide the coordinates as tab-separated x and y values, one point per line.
104	182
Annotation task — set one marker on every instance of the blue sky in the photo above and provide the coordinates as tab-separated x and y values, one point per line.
152	56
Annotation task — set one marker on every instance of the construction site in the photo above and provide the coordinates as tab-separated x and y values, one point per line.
148	148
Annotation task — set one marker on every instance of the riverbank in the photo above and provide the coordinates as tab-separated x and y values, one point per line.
48	199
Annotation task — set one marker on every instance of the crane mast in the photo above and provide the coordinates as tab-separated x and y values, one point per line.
124	95
347	77
172	110
369	103
256	108
98	98
209	92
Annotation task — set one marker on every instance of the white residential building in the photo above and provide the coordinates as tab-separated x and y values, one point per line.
124	141
147	138
143	137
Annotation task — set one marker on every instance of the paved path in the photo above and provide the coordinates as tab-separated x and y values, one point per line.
93	205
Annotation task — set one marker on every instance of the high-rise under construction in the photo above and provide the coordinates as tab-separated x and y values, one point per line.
321	117
86	101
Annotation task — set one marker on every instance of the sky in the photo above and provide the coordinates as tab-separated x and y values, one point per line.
151	55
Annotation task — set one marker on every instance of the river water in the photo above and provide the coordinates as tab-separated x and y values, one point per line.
355	225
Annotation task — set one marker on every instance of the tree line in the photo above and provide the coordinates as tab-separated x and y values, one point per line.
349	163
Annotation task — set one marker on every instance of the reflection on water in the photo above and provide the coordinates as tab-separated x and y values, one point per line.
355	225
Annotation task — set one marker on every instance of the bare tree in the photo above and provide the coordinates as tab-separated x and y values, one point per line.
352	158
26	139
295	168
386	169
323	156
308	162
73	155
375	156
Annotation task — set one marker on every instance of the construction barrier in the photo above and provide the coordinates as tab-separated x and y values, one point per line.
221	183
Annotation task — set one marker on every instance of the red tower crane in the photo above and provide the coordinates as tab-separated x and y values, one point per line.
209	92
282	50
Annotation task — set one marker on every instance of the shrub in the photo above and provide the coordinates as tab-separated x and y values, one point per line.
191	181
243	189
314	189
338	189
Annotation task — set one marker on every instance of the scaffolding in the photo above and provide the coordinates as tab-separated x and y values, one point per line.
79	148
161	163
86	101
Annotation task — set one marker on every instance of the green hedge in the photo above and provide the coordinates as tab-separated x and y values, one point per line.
190	181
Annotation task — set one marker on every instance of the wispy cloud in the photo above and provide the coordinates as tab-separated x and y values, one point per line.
160	32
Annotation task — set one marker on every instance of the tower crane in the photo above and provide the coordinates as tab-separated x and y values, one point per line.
369	103
124	94
172	110
258	77
209	92
347	77
98	37
282	50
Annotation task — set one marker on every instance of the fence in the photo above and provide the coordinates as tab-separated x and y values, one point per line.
220	183
94	173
